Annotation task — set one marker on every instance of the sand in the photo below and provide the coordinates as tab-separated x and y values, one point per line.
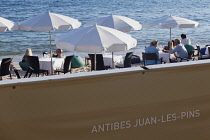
22	73
86	68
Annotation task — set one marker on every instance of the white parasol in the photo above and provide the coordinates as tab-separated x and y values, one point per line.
95	39
170	22
120	23
48	22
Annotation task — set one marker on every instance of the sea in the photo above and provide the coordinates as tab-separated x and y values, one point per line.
14	43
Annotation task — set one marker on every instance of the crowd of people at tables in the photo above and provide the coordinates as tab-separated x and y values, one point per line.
179	47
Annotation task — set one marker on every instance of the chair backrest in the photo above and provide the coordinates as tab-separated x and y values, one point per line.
198	50
5	64
33	61
99	62
149	56
127	61
67	64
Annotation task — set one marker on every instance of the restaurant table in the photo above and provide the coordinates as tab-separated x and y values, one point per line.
45	63
118	59
165	56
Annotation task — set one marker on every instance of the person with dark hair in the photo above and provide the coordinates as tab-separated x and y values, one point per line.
185	40
187	43
58	53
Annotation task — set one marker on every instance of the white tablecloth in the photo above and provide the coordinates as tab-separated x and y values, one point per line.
118	59
165	56
45	63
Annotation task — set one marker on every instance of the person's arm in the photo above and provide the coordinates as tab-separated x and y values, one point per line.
176	49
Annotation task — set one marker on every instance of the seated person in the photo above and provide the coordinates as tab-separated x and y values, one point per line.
179	49
152	49
185	40
27	53
23	64
170	45
203	50
58	53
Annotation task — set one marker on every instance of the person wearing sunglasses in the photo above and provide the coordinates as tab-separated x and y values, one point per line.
179	49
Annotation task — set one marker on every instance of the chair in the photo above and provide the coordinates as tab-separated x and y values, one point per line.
87	60
150	56
67	65
33	62
5	65
127	61
16	72
29	70
191	56
135	59
99	62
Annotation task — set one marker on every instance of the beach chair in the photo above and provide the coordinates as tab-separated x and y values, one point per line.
150	56
33	62
67	65
127	61
5	67
99	62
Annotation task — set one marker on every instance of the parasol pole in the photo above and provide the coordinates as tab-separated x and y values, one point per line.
112	60
170	34
95	61
50	54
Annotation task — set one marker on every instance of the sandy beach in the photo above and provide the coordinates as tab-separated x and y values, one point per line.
22	73
86	68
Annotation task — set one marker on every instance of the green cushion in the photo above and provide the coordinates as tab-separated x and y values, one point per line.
189	48
77	62
23	65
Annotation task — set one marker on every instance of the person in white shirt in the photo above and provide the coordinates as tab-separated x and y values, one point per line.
179	49
185	40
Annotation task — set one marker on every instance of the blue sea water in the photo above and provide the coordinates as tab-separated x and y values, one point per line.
15	43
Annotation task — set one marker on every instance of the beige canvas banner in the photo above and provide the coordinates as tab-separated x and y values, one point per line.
158	104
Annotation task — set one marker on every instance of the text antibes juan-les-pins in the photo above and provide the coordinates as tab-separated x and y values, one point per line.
145	121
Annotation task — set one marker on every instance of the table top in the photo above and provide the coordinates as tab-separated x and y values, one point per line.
49	59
